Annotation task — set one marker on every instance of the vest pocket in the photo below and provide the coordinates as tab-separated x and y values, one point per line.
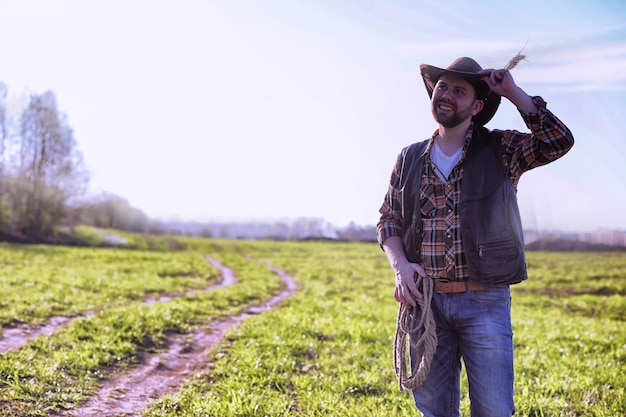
493	262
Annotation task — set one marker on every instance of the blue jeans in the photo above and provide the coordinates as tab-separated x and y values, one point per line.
475	326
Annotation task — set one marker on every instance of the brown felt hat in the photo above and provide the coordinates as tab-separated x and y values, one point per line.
467	69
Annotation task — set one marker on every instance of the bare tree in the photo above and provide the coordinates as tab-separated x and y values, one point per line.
49	170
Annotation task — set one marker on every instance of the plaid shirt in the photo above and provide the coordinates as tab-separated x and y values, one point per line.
442	246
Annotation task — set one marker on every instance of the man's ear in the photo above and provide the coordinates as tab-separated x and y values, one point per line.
477	107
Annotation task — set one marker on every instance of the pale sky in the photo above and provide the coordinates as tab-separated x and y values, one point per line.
278	109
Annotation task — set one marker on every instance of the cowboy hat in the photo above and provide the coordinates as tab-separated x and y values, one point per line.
467	69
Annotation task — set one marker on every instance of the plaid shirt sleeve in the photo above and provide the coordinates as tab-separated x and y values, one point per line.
390	222
549	140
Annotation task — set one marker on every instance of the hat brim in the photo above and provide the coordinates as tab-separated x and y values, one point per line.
491	100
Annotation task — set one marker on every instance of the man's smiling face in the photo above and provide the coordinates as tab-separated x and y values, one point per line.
454	100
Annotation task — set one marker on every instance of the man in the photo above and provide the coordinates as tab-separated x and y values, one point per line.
451	215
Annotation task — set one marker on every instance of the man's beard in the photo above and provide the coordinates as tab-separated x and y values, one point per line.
450	120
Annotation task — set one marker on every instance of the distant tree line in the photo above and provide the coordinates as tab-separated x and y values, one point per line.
303	228
109	211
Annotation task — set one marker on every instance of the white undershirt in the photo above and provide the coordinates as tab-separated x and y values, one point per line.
444	162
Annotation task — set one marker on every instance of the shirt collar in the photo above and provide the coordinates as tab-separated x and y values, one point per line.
468	137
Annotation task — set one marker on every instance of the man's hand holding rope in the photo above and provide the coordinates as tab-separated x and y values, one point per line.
406	291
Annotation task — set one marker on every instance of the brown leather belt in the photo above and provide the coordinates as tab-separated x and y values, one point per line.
458	286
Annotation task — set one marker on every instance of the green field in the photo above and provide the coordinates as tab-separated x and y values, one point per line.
325	351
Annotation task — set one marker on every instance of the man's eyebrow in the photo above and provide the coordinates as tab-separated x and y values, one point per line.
453	85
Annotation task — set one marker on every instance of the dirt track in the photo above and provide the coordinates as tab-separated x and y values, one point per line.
165	372
15	337
159	373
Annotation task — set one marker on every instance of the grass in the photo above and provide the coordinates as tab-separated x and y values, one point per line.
40	281
326	351
569	323
59	371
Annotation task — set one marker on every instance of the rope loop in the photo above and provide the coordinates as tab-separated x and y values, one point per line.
420	335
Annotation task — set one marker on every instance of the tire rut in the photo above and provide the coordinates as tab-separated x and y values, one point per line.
165	372
13	338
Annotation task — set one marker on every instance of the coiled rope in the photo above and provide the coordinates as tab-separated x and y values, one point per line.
421	336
